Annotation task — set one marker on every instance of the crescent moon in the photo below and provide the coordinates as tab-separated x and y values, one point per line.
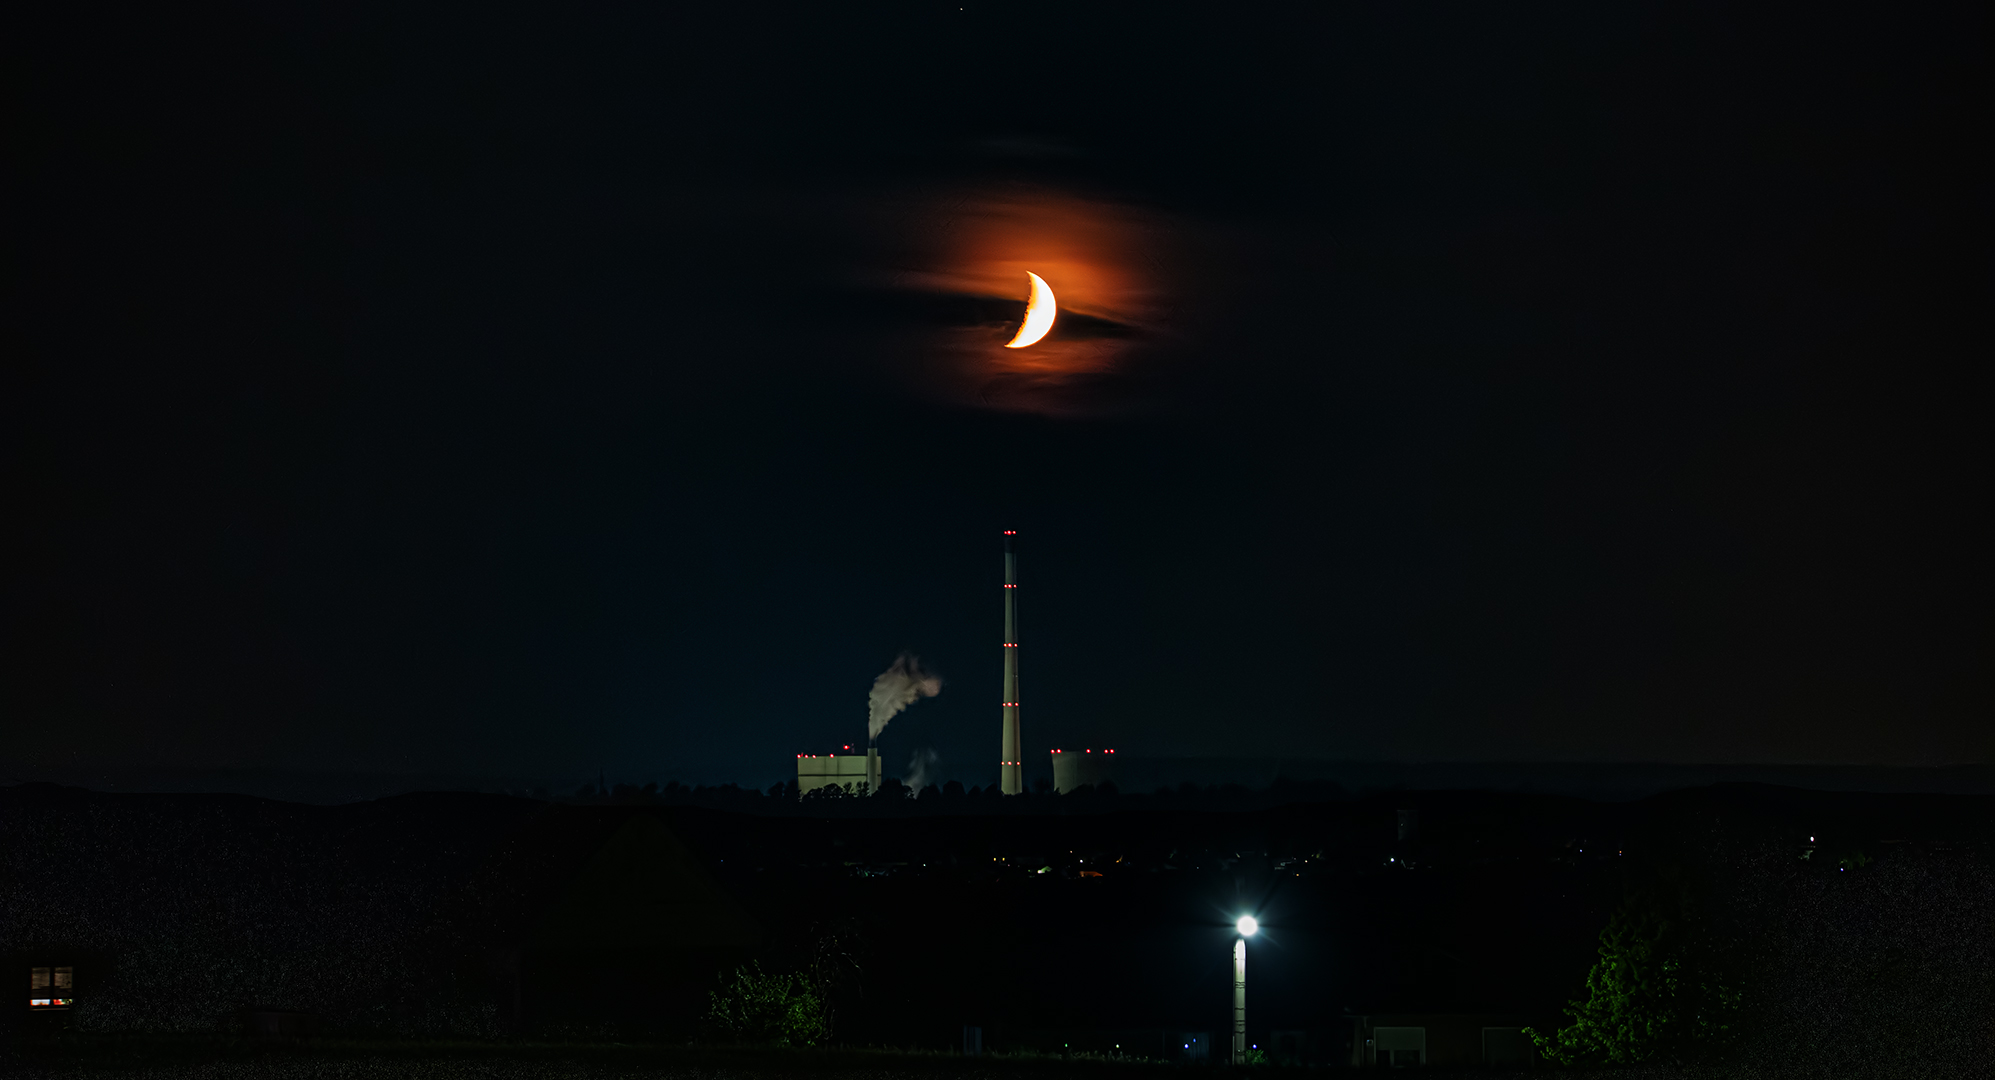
1039	312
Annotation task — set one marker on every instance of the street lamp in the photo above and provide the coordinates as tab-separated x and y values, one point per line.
1247	926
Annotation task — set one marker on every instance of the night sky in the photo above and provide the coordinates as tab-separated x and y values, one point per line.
537	391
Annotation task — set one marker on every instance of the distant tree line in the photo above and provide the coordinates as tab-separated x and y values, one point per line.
896	799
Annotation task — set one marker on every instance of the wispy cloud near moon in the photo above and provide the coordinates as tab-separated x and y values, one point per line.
1118	271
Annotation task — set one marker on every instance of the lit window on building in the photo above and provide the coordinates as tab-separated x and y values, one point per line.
46	986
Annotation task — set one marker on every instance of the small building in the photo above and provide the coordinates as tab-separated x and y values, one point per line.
1447	1040
51	987
1074	769
857	773
51	991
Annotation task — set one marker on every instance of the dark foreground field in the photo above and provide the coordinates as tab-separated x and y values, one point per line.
465	935
360	1060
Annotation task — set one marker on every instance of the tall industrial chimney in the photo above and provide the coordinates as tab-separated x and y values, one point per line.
1011	766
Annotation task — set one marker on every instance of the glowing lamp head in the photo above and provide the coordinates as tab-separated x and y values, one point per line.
1247	926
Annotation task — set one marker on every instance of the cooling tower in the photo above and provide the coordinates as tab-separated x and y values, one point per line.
1075	769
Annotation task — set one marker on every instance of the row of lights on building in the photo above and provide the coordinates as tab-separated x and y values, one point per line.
45	985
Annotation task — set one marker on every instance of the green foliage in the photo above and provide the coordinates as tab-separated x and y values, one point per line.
797	1009
1254	1056
1657	990
778	1010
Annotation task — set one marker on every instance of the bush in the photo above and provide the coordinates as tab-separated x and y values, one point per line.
777	1010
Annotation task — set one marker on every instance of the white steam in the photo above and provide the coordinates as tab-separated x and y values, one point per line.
921	769
898	687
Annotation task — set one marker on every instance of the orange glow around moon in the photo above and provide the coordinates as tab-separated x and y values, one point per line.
1123	291
1039	312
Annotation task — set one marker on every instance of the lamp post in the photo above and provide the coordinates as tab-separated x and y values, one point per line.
1247	927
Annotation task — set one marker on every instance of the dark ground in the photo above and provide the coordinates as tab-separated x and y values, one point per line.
445	1061
435	1061
496	918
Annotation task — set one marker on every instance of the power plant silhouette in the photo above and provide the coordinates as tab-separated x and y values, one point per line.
904	683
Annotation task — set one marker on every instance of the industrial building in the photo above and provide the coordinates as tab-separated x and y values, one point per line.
1082	768
857	773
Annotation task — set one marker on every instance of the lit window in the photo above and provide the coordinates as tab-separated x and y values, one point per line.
37	978
37	1001
65	978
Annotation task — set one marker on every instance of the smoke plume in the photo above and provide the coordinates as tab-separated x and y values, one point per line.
898	687
921	769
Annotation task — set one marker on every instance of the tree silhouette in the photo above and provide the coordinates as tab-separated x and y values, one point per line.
1657	989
